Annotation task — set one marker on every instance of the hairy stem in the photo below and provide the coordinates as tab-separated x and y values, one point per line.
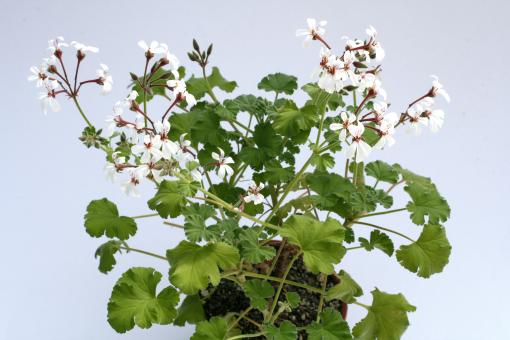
383	228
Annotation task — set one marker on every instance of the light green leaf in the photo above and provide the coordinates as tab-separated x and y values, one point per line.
331	327
279	83
293	299
102	218
378	240
382	172
214	329
170	198
198	87
134	301
258	291
429	254
346	290
386	318
286	331
323	162
320	242
290	120
251	249
426	203
106	253
193	267
190	311
322	99
194	227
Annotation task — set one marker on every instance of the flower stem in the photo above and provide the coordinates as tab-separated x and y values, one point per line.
144	216
383	212
383	228
81	112
128	249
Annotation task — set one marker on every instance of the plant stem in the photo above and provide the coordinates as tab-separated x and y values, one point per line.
353	248
361	304
242	315
383	228
383	212
128	249
243	336
209	88
277	279
144	216
280	287
394	186
81	112
323	293
173	225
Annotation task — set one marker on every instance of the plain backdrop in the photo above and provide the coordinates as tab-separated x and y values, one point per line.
50	288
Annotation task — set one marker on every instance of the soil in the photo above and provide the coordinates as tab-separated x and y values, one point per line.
228	296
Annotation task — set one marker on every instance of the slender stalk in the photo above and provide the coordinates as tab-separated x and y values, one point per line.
241	316
144	216
393	186
143	252
173	225
323	293
277	279
353	248
209	88
244	336
81	112
361	304
280	287
383	228
346	171
383	212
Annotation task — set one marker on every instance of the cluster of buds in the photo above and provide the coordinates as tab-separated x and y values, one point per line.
357	70
53	78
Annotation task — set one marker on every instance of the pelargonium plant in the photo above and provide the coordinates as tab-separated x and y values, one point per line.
267	215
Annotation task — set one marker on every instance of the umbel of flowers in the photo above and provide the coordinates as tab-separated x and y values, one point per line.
253	212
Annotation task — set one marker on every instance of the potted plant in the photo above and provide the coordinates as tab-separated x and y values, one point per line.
254	184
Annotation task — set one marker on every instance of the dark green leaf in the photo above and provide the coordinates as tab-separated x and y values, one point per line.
170	198
331	327
102	218
106	253
382	172
190	311
378	240
346	290
199	86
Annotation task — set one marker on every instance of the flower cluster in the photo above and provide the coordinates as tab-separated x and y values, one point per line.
52	77
357	70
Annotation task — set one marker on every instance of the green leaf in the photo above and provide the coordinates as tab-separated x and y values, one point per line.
320	242
322	99
378	240
346	290
382	172
290	120
106	253
192	266
102	218
275	174
170	198
279	83
134	301
429	254
267	140
293	299
207	129
190	311
426	203
386	318
194	227
214	329
331	327
251	249
257	106
323	162
334	192
258	291
198	87
286	331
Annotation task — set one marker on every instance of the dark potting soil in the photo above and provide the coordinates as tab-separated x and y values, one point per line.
228	297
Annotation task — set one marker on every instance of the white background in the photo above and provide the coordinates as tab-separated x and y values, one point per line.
50	288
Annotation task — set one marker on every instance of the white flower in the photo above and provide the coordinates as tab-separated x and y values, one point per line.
416	119
47	98
370	81
254	194
437	88
129	187
112	124
111	169
169	148
38	74
222	163
376	48
125	103
56	44
179	90
371	32
358	149
345	71
330	78
185	153
84	48
387	129
154	47
196	175
436	119
347	120
150	149
313	31
105	78
174	63
149	168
